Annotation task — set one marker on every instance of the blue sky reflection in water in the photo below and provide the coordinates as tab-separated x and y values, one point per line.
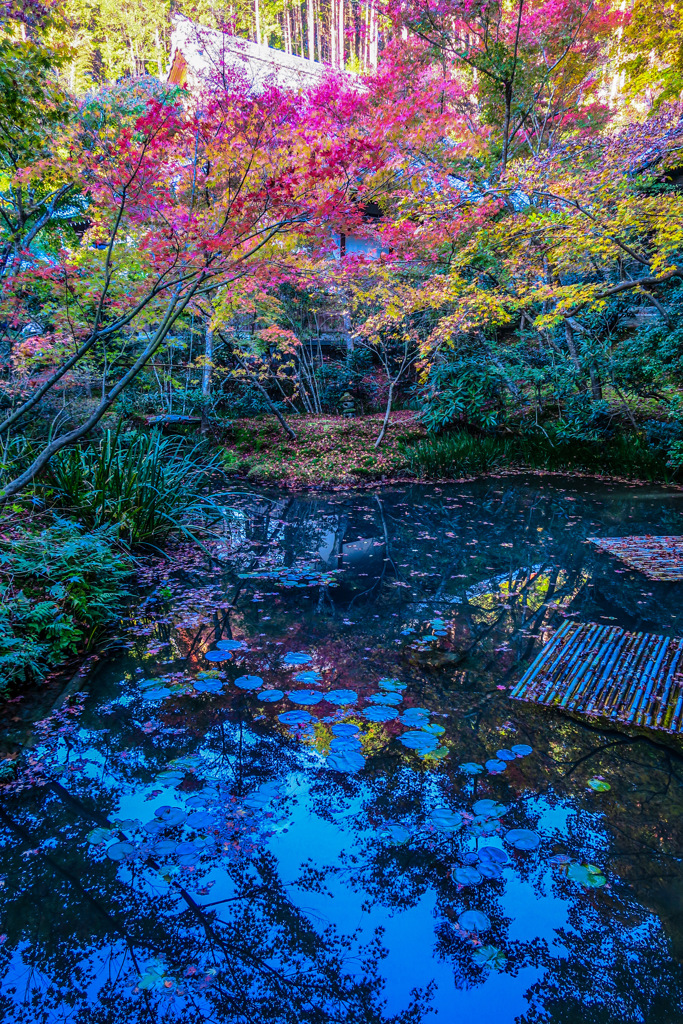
203	838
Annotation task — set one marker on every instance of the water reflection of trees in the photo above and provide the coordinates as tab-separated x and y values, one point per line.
87	926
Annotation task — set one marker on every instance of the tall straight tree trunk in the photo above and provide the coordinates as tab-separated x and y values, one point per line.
333	33
285	31
374	35
258	22
310	25
341	34
206	377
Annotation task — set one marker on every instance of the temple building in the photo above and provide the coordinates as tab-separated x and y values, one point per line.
199	53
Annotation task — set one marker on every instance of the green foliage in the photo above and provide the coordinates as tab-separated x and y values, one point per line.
461	390
32	104
146	485
461	454
60	587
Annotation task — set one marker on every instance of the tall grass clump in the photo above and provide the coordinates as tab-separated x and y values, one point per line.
461	454
146	485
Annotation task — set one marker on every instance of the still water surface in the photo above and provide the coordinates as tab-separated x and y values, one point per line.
340	814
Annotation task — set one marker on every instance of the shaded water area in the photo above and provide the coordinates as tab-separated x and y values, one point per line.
340	814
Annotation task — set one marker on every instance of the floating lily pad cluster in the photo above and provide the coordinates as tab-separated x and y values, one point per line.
226	650
439	630
345	748
497	765
206	821
163	687
294	576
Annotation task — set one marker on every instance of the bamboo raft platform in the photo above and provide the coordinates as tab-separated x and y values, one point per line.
659	558
630	679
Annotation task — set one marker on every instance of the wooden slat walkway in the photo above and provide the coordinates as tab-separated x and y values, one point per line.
635	679
660	558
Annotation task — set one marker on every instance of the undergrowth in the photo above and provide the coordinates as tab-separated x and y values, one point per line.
462	454
60	588
147	486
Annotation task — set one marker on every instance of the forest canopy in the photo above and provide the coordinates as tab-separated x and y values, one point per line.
468	210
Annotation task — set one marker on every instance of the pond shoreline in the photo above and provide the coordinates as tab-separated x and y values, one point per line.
297	487
331	452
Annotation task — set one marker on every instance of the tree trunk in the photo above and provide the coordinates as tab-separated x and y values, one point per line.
596	383
387	414
269	402
310	25
571	345
206	378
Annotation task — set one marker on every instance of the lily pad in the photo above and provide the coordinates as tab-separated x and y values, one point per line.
266	792
341	744
493	855
165	848
305	697
433	729
465	875
505	755
170	815
208	685
445	820
378	713
120	851
385	698
495	766
341	697
521	749
218	655
391	685
599	785
418	740
489	809
410	714
434	755
295	717
587	875
309	678
395	833
489	956
99	835
231	645
489	869
187	853
249	682
474	921
344	729
523	839
347	761
153	827
270	696
296	658
471	768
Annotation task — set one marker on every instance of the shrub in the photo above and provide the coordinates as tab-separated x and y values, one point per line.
59	587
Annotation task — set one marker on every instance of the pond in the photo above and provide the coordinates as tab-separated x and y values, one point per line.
298	790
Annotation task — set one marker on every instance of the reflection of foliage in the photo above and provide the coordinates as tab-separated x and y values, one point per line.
303	837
